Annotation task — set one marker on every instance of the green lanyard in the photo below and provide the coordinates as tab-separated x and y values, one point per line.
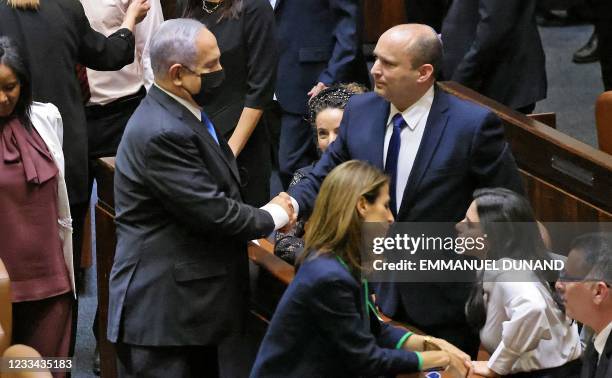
369	306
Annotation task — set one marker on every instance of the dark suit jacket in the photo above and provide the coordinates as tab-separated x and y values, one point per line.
462	149
54	39
494	47
180	275
590	367
321	329
318	41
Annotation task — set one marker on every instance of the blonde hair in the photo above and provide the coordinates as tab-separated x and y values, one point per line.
23	4
335	224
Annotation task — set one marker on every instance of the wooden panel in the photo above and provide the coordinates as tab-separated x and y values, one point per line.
566	163
6	309
105	254
380	15
549	119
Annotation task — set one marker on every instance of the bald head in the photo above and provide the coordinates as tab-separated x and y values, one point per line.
420	42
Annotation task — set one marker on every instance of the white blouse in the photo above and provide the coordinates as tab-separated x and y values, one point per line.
47	121
525	329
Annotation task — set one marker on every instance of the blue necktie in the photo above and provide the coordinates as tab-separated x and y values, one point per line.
392	158
209	126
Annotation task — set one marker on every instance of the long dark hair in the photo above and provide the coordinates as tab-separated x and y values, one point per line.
512	232
230	9
11	58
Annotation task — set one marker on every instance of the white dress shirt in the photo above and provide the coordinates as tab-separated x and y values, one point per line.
278	214
602	338
525	330
411	136
106	17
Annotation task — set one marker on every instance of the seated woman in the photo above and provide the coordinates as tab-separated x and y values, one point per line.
325	110
520	323
325	324
35	224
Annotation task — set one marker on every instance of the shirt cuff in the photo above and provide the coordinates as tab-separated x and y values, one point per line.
296	207
502	359
401	341
420	358
278	214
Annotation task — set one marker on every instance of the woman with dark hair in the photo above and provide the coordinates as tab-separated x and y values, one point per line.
520	322
245	34
325	110
325	324
35	223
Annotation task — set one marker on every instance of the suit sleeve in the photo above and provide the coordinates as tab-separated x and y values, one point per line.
496	20
492	162
177	174
102	53
347	41
333	306
305	192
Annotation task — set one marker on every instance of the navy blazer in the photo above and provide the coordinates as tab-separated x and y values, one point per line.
494	47
318	41
463	148
321	328
180	274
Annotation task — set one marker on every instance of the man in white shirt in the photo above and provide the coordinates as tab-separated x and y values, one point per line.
584	286
436	148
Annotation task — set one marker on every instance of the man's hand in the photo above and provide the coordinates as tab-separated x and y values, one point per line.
136	12
316	89
284	200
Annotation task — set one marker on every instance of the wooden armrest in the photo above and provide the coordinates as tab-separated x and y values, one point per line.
263	255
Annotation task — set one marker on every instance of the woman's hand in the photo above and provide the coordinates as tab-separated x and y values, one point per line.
481	368
136	12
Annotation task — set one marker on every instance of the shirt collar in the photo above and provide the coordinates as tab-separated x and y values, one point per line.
415	112
601	338
197	112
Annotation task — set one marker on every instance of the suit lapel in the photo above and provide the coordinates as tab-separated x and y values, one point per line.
434	128
190	120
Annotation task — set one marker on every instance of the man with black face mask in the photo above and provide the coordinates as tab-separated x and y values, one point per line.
179	283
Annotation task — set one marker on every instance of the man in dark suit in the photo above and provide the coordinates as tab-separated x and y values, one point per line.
584	286
179	283
603	27
494	47
428	12
319	42
437	149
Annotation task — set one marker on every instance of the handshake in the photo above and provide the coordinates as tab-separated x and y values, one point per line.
284	201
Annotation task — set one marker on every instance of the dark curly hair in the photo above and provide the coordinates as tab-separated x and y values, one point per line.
334	97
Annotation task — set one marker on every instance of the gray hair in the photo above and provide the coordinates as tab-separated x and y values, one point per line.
174	42
596	250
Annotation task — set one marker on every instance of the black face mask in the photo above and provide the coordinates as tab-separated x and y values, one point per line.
210	82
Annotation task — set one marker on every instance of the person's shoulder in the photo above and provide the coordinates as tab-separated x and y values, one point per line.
366	99
44	113
324	269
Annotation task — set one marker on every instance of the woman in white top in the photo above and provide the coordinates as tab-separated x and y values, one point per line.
35	223
521	325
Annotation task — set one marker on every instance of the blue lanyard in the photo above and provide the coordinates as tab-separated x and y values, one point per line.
369	306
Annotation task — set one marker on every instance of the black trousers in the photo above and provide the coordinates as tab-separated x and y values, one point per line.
297	147
166	361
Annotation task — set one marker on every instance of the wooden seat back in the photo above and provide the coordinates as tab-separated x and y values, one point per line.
603	117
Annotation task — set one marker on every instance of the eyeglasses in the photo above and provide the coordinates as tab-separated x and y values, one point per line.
564	277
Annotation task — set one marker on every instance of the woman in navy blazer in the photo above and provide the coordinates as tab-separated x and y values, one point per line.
325	324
